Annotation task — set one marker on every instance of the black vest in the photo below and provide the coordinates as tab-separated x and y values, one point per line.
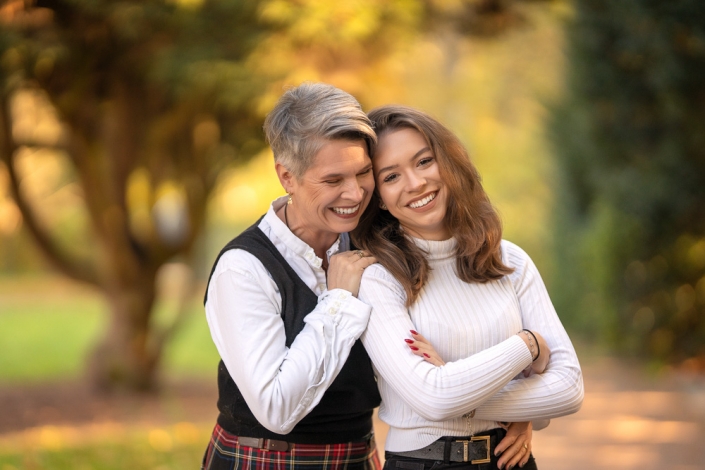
344	413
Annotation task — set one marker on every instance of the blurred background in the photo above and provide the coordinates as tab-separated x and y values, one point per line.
131	150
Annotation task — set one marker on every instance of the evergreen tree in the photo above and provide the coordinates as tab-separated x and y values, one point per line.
630	139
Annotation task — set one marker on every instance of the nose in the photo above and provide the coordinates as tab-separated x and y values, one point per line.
353	191
415	182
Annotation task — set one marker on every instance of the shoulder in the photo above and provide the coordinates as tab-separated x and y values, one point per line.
516	258
239	273
525	271
378	280
513	255
378	273
240	262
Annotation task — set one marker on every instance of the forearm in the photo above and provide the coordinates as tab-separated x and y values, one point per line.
556	392
440	393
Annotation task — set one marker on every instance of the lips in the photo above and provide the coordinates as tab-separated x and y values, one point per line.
346	211
419	203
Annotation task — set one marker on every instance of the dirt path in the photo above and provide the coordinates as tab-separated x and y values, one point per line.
74	404
628	420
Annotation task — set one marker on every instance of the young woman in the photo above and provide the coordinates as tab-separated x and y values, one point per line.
446	273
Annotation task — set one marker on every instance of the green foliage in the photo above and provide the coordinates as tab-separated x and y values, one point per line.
631	144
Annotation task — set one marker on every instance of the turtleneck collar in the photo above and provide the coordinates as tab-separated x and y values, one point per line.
437	250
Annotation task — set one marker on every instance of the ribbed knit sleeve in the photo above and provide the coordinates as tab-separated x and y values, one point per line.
559	390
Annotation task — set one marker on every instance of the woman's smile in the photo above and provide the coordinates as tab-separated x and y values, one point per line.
423	202
347	212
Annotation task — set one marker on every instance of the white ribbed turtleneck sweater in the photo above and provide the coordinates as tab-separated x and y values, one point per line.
473	327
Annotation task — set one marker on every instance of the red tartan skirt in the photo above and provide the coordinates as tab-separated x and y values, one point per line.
224	453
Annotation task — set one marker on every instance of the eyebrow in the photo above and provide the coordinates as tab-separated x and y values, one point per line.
391	167
340	175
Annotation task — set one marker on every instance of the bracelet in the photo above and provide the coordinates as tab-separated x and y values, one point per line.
538	348
531	344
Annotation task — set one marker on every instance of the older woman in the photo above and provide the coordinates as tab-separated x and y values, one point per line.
446	273
296	387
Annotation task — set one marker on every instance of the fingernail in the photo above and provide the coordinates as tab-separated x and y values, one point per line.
414	348
426	355
413	332
410	341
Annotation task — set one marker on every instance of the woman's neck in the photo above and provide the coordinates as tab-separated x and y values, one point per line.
436	235
319	241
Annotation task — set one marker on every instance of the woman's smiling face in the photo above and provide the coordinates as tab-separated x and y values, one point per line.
409	183
332	194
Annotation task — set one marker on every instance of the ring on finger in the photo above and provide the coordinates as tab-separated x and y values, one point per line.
526	447
360	254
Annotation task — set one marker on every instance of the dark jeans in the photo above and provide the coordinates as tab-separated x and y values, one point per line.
396	463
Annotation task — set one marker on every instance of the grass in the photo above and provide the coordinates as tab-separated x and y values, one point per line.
48	327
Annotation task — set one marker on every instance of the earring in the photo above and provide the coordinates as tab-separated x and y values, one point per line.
289	201
383	206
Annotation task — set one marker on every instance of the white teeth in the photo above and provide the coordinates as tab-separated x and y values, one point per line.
423	202
340	210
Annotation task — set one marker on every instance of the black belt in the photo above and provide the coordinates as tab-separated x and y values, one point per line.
474	449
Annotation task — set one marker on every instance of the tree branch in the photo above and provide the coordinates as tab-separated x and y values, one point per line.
58	257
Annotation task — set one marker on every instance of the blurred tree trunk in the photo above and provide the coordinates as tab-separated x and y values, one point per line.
129	354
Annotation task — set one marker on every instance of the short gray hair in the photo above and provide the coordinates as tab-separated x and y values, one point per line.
307	116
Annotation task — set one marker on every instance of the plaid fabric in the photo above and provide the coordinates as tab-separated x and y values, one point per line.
224	453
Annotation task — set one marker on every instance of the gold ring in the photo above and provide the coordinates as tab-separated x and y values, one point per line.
360	254
526	447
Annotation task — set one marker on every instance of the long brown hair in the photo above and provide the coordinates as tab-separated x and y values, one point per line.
470	216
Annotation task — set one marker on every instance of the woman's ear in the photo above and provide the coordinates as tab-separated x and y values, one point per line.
286	178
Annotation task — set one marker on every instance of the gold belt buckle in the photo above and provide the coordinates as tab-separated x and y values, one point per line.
479	438
465	449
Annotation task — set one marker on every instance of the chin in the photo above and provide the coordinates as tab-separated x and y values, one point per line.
347	226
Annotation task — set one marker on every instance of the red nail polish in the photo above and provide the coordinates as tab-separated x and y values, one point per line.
414	348
426	355
413	332
410	341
